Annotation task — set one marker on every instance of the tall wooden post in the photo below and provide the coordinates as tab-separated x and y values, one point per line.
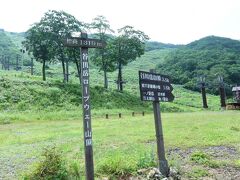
87	128
86	43
163	163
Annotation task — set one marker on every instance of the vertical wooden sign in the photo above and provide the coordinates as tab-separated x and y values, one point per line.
86	43
87	128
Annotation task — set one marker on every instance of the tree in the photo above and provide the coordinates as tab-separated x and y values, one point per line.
129	45
38	43
60	24
101	56
50	31
74	55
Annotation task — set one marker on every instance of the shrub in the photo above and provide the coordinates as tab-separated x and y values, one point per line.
52	167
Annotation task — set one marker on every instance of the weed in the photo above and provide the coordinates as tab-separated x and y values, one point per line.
197	173
233	128
237	163
147	160
200	157
75	171
116	165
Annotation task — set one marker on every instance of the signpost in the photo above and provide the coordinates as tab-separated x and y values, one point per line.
84	43
157	88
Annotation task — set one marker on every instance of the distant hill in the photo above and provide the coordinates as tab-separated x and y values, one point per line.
215	43
16	38
210	57
7	47
153	45
10	45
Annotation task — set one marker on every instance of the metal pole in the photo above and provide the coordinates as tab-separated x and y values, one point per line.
87	128
163	163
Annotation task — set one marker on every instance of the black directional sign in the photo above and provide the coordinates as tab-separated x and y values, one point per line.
155	87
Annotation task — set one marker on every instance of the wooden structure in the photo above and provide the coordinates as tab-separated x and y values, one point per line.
236	97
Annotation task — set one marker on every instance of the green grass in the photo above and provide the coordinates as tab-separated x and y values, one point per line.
115	141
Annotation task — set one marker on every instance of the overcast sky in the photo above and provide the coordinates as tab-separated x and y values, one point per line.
168	21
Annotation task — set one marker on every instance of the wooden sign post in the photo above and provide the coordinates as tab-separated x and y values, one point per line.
86	43
157	88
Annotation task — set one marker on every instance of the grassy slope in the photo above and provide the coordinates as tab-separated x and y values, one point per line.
21	92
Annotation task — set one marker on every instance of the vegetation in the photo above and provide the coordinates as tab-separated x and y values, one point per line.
209	57
52	167
8	50
153	45
129	45
45	39
102	56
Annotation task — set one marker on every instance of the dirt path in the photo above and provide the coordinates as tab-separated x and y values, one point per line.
221	163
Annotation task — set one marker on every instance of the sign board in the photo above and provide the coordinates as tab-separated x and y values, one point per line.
83	42
155	87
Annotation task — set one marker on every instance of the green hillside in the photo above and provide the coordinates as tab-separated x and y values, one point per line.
210	57
16	38
7	46
28	95
153	45
215	43
22	92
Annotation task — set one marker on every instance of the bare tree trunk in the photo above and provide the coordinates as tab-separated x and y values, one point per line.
120	83
64	71
105	79
78	68
44	70
67	70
